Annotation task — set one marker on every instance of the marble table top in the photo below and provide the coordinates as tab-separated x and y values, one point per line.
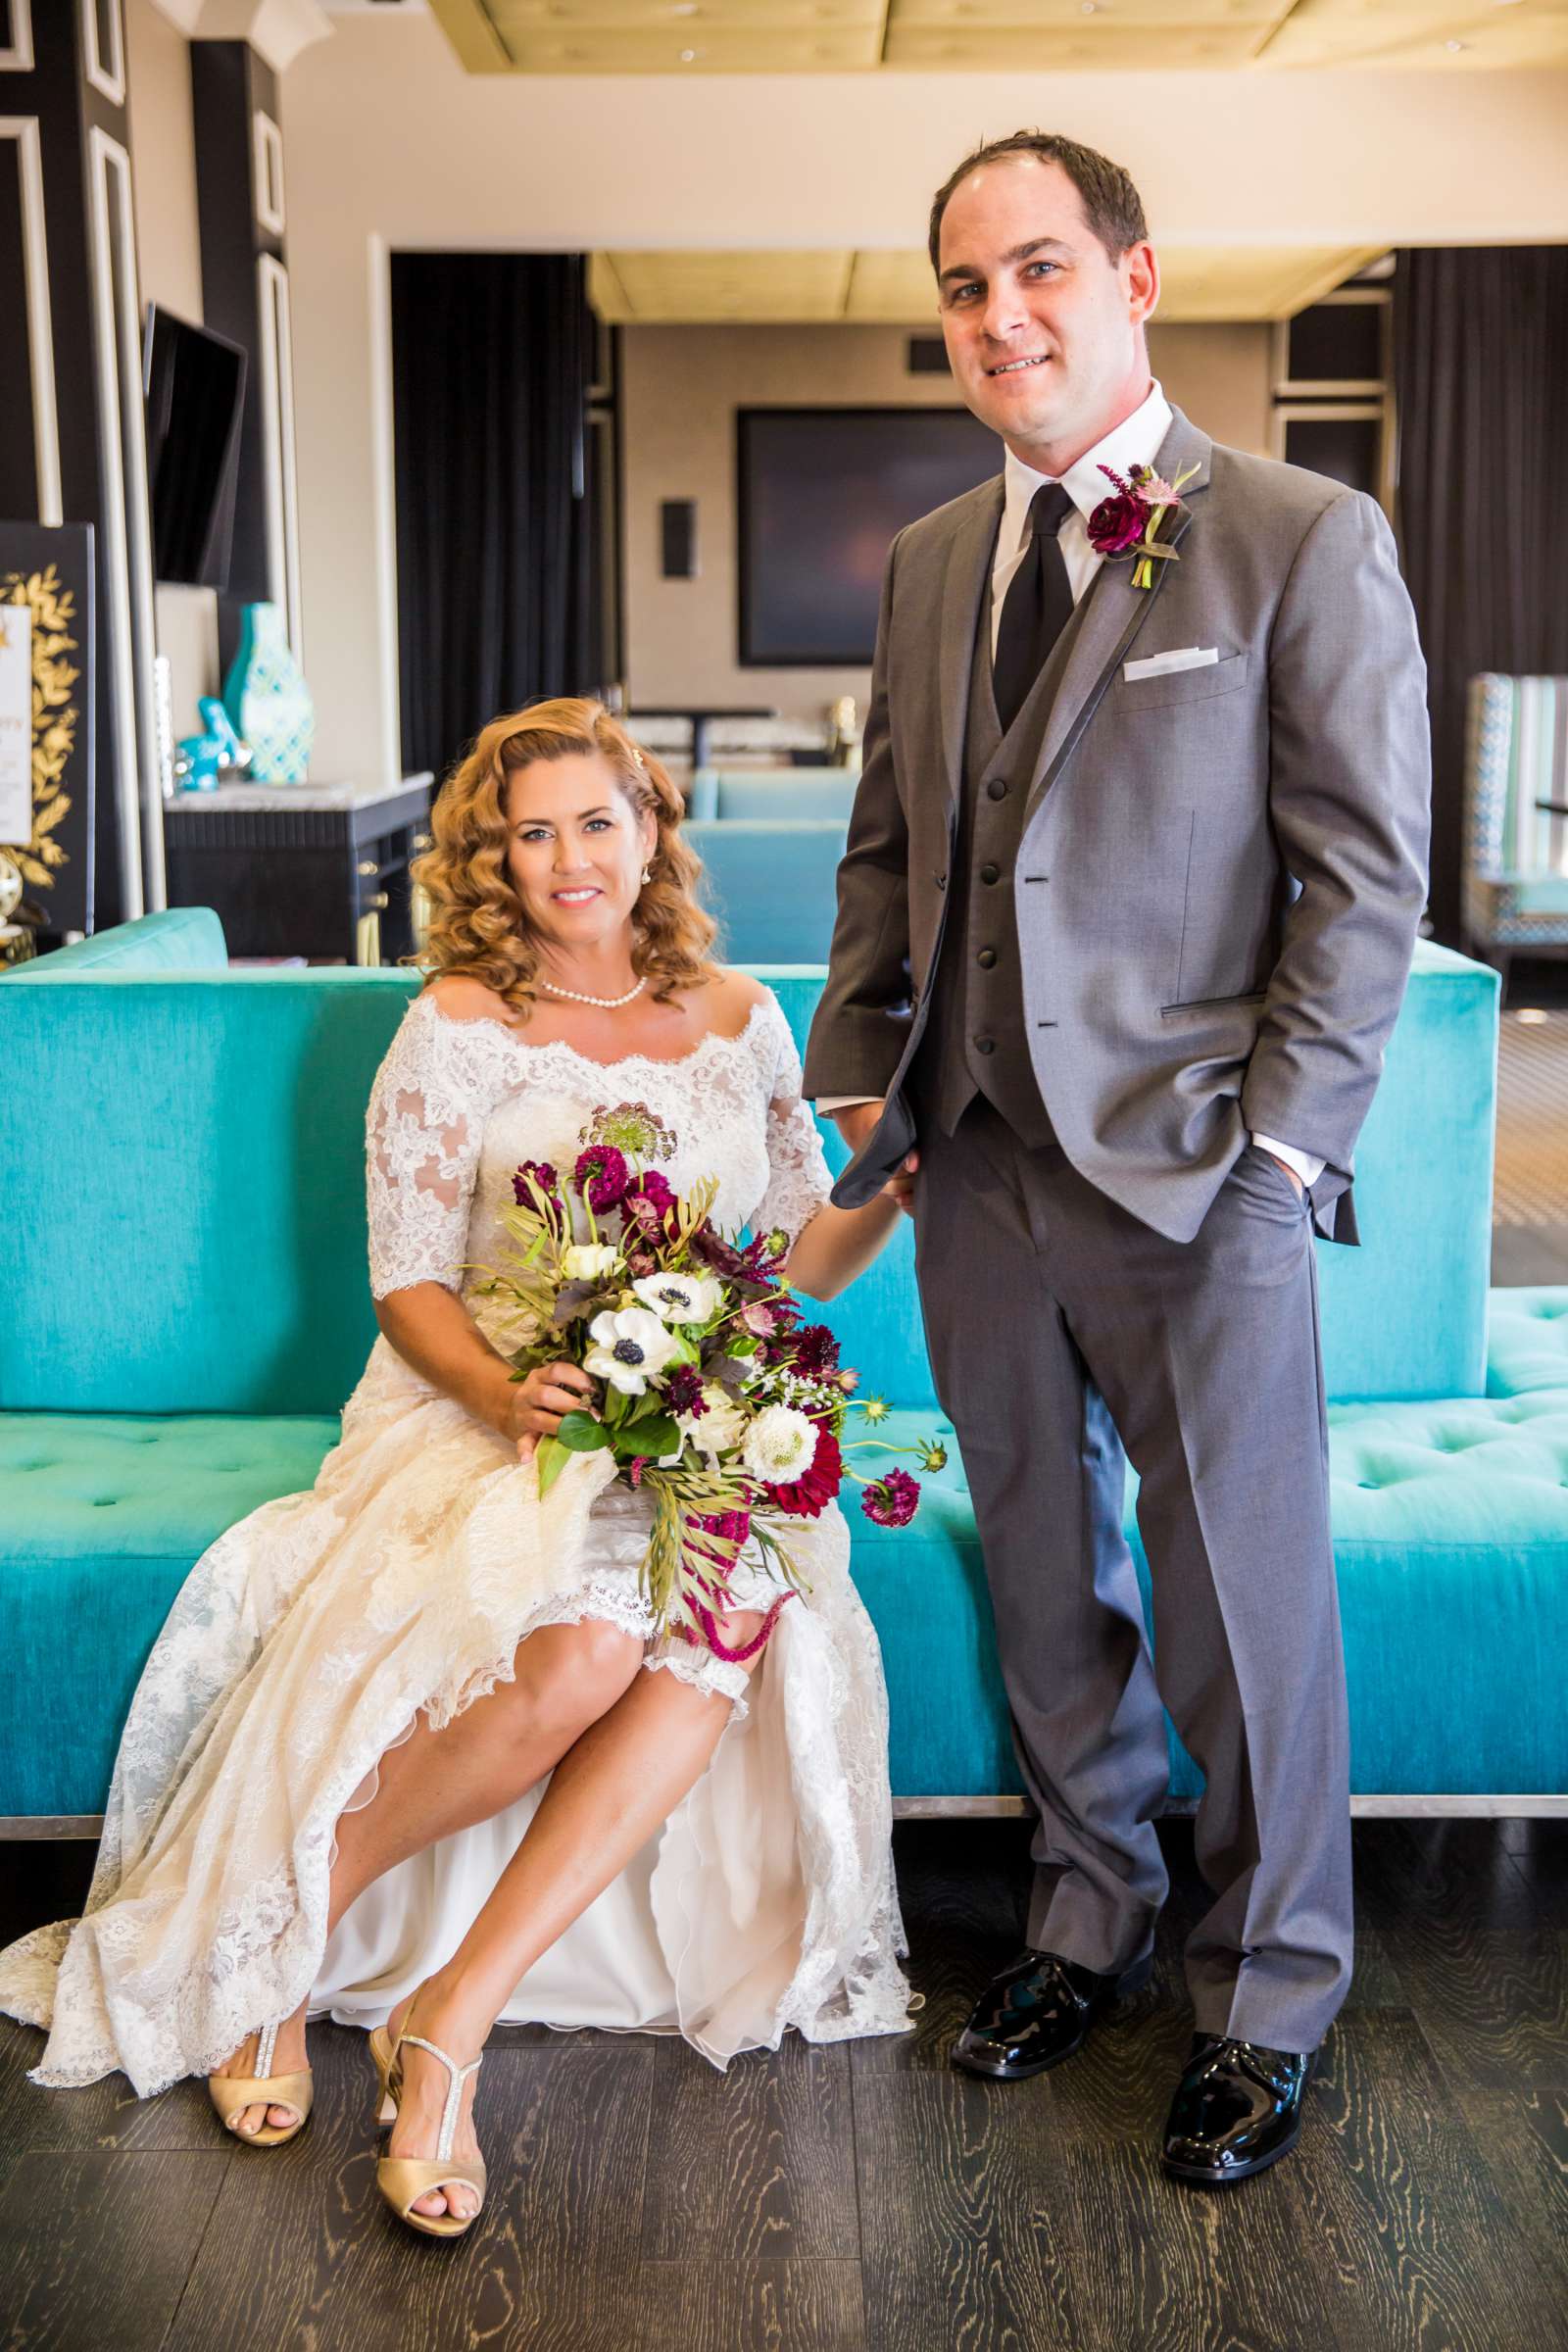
250	796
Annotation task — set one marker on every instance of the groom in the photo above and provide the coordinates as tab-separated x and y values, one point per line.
1124	922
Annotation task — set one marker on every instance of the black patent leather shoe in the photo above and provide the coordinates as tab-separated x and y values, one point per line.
1037	2013
1237	2107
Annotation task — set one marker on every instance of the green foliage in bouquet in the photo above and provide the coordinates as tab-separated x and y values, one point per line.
717	1398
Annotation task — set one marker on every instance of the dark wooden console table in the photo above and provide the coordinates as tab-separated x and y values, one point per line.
320	871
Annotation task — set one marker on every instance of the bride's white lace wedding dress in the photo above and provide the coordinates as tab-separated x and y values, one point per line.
306	1640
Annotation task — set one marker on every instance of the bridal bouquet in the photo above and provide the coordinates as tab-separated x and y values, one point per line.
719	1399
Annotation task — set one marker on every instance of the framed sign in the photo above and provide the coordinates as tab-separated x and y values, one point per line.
46	717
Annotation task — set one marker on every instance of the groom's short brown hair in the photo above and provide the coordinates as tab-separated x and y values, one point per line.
1113	206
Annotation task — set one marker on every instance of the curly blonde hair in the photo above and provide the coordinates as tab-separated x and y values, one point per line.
478	927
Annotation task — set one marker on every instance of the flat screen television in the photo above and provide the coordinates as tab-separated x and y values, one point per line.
194	383
822	494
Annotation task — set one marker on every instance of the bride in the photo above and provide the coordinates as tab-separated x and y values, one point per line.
406	1750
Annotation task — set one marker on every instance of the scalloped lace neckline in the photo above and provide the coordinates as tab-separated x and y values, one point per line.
559	1044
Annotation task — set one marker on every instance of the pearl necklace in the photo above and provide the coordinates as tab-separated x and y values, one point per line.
575	996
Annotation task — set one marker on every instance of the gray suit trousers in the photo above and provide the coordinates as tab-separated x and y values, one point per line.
1062	1330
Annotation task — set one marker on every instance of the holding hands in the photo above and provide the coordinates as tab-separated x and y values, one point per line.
855	1123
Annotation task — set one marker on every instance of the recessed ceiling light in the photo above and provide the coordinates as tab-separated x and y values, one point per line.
1453	47
684	8
1089	8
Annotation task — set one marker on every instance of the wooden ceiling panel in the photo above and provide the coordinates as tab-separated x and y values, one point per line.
1094	45
675	288
1080	18
1449	35
804	37
1209	284
683	19
690	50
1201	283
892	289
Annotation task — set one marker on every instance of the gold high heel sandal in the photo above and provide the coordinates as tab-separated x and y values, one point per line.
383	2052
231	2094
402	2179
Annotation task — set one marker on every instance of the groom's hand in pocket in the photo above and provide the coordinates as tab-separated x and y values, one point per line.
855	1123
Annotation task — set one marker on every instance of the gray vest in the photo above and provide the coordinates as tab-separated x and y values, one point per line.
975	1040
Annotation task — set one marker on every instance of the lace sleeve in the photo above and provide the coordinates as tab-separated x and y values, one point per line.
423	1131
798	1180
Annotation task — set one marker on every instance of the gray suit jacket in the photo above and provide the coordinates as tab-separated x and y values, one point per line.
1221	872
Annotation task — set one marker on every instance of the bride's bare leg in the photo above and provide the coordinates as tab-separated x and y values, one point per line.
625	1775
435	1783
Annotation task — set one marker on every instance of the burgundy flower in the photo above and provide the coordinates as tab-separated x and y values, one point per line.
640	1264
732	1526
653	1187
683	1390
544	1176
808	1496
718	1253
715	1641
1117	523
602	1176
891	1500
815	1351
639	1463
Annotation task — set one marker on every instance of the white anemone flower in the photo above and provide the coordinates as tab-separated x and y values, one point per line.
679	1298
780	1445
723	1426
631	1348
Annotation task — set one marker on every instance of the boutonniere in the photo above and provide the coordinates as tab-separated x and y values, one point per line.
1130	524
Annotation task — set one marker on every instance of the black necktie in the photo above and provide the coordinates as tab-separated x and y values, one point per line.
1038	603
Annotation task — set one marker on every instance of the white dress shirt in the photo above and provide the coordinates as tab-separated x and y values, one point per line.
1136	441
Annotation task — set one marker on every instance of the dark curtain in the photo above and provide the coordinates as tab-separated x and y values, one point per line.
490	369
1481	378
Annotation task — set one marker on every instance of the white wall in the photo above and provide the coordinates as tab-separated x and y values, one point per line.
388	140
168	263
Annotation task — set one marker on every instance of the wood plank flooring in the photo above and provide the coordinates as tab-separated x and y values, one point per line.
864	2197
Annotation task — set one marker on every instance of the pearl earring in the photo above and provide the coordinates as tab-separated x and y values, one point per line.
648	874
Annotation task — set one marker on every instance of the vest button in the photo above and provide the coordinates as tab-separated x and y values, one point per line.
985	1045
989	873
986	958
996	789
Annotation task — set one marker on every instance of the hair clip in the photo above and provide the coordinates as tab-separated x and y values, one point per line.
637	756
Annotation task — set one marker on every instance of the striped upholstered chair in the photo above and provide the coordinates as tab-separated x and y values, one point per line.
1516	853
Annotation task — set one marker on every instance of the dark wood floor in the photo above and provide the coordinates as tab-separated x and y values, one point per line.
865	2198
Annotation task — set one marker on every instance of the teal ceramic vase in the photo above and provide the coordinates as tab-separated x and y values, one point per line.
268	700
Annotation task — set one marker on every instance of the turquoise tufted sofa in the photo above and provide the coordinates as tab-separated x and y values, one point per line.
766	795
187	1308
771	883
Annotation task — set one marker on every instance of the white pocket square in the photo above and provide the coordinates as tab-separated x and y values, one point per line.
1160	666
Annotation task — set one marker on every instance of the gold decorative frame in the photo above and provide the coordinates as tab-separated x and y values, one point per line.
55	716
